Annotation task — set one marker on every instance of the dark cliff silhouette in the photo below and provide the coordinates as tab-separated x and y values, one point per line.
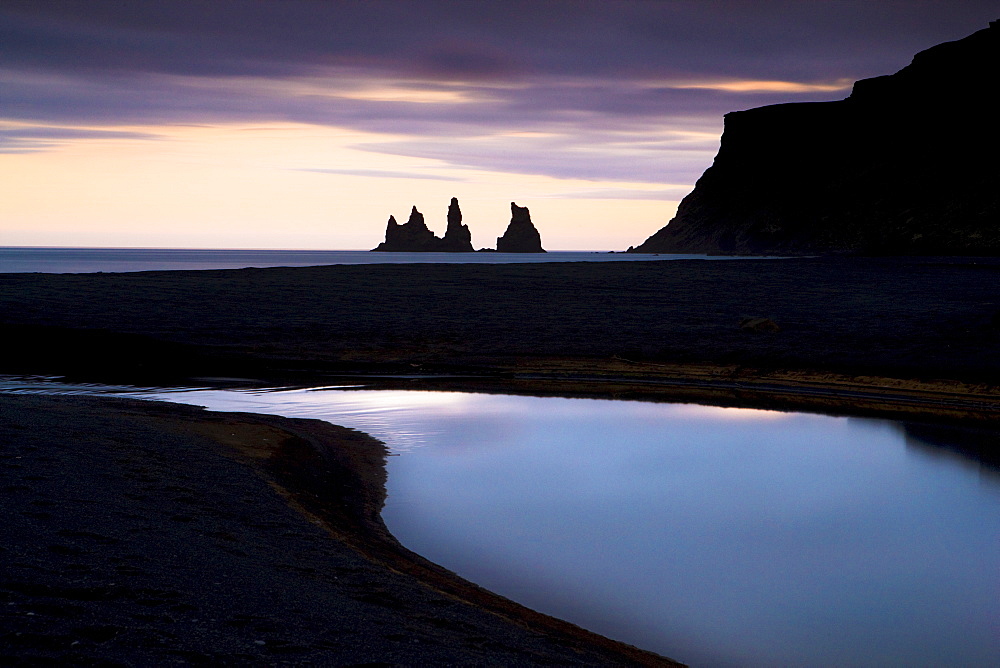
414	236
906	165
521	235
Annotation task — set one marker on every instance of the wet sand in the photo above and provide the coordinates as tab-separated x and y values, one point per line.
139	533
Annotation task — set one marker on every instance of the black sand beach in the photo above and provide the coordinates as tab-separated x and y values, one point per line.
156	505
895	317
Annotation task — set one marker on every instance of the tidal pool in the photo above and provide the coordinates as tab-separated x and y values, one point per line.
717	536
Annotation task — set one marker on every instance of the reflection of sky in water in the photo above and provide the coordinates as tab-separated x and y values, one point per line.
403	420
720	536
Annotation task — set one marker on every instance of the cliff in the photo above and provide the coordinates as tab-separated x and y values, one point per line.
521	235
414	235
905	165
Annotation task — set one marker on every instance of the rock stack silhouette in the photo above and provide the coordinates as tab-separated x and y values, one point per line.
521	235
414	235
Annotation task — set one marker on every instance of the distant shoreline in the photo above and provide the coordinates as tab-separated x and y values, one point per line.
61	260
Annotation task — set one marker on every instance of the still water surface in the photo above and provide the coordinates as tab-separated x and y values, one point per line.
718	536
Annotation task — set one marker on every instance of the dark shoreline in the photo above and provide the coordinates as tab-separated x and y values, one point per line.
906	338
903	318
99	578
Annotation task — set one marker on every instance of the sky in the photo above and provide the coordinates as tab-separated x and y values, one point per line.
306	123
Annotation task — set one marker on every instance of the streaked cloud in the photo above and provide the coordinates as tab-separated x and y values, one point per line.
524	87
771	86
33	139
410	95
459	40
671	194
382	174
629	157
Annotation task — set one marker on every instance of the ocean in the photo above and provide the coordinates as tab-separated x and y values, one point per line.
91	260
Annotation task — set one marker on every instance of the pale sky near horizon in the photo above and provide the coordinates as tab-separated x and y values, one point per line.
304	124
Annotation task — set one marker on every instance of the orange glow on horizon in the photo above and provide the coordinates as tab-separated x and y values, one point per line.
263	186
743	86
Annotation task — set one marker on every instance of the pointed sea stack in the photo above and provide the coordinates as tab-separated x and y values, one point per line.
457	238
412	235
907	165
415	237
521	235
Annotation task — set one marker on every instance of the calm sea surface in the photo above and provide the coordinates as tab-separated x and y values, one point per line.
718	536
89	260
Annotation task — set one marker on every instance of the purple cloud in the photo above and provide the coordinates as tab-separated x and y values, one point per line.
561	157
36	139
788	38
661	194
601	78
380	173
